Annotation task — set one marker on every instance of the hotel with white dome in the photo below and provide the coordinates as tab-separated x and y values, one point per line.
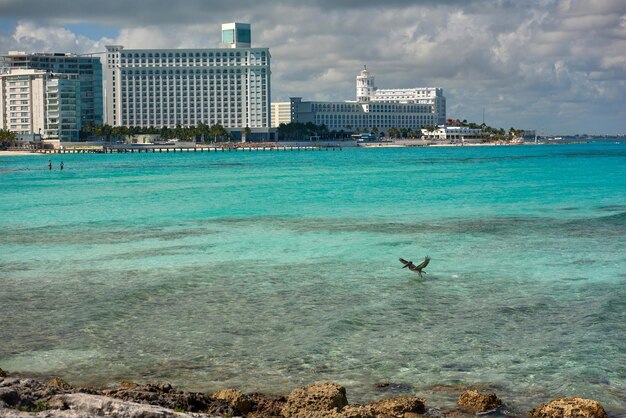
373	109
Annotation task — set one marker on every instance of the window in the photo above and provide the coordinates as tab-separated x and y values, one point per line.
228	36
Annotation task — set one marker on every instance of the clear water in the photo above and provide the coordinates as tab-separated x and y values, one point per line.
270	270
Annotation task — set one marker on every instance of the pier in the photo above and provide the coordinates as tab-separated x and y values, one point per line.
173	149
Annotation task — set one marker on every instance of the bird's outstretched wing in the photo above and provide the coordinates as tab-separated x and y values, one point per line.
406	263
424	263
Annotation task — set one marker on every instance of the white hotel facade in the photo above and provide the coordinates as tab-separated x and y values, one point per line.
37	102
229	85
382	109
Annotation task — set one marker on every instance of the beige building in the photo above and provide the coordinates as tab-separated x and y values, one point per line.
36	102
281	113
22	101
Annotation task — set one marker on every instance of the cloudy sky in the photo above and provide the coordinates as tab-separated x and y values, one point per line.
558	66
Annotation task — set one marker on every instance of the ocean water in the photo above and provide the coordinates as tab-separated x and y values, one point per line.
266	271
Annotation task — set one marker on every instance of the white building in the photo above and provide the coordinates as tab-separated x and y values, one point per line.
229	86
36	102
454	134
236	35
367	92
88	69
375	109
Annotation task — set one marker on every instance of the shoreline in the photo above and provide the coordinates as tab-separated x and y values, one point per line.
23	396
11	153
131	148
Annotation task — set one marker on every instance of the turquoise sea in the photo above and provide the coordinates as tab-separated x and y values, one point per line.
270	270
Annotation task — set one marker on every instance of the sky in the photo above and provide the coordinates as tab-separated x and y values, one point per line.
556	66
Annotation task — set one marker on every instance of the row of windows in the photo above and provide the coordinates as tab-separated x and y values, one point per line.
224	54
190	120
184	72
180	63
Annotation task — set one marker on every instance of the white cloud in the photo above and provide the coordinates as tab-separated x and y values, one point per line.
547	63
32	37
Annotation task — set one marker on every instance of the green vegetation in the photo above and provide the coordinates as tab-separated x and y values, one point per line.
7	139
404	133
200	133
296	131
38	406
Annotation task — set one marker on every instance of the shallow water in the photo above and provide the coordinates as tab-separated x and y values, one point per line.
268	270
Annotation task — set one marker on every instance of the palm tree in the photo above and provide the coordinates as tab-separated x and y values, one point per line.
247	131
8	138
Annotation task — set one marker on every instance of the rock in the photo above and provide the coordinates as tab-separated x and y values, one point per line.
476	401
569	408
126	384
358	411
394	388
315	400
265	405
240	402
165	396
399	406
3	373
9	397
59	383
83	405
27	394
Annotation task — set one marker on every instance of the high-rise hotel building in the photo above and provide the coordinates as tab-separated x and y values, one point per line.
229	85
37	102
87	69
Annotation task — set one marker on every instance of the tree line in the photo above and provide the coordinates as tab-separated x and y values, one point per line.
297	131
201	132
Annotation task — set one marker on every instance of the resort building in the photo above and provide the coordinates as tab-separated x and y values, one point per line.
281	113
454	134
86	68
375	109
36	102
229	86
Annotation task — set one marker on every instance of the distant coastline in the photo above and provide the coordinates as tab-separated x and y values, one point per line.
252	146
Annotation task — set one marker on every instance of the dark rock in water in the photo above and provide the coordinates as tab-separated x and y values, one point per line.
394	388
569	408
314	399
3	373
476	401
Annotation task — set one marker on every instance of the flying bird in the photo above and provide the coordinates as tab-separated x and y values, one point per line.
418	269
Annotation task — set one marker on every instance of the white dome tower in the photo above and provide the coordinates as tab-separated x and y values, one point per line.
364	86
